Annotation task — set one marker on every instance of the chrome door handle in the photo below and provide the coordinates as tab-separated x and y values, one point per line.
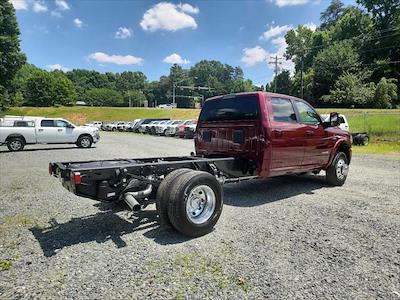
309	133
59	129
40	130
278	133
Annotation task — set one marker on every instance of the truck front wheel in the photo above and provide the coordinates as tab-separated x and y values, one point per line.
84	142
15	144
336	173
195	203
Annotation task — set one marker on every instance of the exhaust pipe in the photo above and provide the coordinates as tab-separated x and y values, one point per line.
130	198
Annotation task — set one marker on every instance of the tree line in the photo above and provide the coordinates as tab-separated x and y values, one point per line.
351	60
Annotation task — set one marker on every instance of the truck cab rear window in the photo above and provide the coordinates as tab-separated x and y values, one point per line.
230	109
47	123
282	110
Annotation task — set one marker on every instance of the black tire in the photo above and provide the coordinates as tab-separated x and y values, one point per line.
333	175
179	195
15	144
365	140
84	141
163	193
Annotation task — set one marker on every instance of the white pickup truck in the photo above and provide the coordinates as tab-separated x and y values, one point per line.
16	132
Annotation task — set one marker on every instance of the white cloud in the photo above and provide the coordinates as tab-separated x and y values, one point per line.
78	23
56	14
57	67
252	56
170	17
175	59
188	8
282	3
62	5
101	57
19	4
39	6
123	33
256	55
311	26
275	31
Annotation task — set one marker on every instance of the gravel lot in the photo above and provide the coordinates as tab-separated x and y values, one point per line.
290	237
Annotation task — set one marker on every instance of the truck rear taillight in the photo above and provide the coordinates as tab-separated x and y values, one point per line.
76	178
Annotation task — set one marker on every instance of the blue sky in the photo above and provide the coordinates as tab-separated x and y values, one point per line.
147	36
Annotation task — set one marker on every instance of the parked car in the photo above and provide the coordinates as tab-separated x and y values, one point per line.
151	128
167	106
121	126
162	127
238	137
132	125
113	126
145	128
45	131
97	124
171	129
136	127
180	130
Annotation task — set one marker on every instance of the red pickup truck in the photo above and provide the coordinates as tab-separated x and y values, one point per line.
238	137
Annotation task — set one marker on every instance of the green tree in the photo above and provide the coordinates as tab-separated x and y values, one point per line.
39	89
48	89
385	12
331	63
63	90
349	91
136	97
11	57
386	93
331	14
130	81
103	97
283	83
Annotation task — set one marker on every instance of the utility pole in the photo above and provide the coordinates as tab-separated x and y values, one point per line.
301	77
276	62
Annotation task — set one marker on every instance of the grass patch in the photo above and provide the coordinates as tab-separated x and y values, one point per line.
185	272
5	265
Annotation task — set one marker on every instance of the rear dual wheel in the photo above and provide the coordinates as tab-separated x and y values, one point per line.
190	201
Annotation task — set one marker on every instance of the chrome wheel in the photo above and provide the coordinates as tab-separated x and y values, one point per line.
85	142
15	145
200	204
342	169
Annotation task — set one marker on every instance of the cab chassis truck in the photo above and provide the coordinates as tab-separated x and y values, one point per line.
238	137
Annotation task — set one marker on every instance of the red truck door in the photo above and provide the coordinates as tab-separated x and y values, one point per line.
287	136
317	141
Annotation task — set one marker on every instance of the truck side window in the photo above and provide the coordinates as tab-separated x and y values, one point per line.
283	111
47	123
307	114
61	123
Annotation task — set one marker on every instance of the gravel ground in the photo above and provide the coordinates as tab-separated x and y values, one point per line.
289	237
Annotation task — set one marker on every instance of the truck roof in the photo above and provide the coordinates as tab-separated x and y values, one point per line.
269	94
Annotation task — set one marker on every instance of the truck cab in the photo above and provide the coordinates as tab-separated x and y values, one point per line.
272	134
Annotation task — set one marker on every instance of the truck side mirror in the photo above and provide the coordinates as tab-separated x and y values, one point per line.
334	119
70	126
